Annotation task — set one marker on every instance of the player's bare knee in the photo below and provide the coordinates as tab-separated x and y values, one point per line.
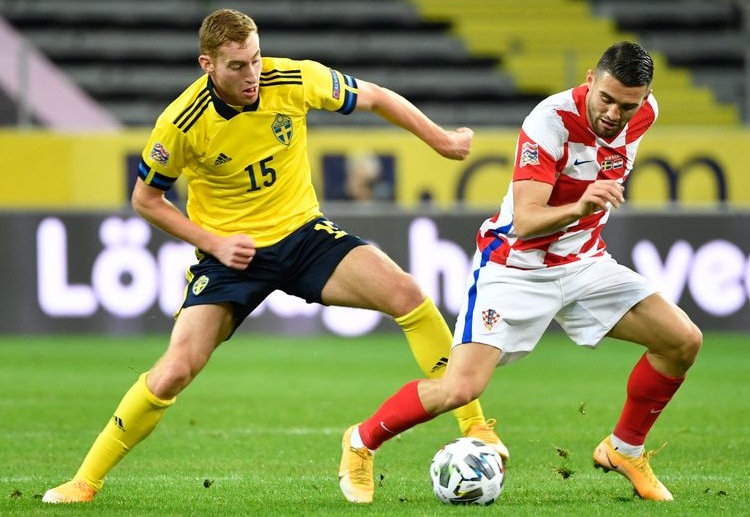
170	377
691	345
685	349
461	394
405	296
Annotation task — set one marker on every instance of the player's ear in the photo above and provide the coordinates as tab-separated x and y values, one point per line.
206	64
590	76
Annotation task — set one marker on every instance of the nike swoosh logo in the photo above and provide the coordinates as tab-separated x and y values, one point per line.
581	163
656	411
382	426
609	460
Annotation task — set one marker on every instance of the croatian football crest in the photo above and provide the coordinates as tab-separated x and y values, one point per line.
490	317
282	128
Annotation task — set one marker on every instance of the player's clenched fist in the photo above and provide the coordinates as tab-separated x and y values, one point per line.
460	144
235	251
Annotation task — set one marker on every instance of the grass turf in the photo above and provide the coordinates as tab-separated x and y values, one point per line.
258	432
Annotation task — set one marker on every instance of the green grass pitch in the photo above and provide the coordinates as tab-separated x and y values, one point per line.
258	432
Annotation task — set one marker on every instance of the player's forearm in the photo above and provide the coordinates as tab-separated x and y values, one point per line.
399	111
168	218
403	113
531	221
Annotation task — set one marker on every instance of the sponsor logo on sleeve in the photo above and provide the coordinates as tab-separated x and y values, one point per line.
529	154
159	154
336	93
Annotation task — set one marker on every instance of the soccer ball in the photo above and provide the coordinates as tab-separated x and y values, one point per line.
467	471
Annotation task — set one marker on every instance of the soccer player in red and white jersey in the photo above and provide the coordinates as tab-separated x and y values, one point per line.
542	258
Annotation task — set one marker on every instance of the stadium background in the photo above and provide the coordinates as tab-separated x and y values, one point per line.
82	81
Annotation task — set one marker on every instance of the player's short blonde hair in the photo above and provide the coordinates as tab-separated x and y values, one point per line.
224	26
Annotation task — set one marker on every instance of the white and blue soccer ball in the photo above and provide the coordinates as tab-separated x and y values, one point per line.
467	471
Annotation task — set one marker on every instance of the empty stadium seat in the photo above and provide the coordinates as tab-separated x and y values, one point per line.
548	46
136	56
485	62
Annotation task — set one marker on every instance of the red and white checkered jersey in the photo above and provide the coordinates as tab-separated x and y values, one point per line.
557	146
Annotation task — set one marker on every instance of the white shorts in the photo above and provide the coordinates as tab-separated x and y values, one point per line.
511	308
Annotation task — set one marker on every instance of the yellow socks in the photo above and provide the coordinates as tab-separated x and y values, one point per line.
134	419
430	340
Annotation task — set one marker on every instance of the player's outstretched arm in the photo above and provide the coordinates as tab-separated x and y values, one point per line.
397	110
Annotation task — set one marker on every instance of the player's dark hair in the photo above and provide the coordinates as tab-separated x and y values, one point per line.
223	26
627	62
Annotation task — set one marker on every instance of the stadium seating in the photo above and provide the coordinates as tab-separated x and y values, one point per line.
135	56
485	62
703	36
548	46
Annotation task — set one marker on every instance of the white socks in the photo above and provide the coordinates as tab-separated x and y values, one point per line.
356	440
635	451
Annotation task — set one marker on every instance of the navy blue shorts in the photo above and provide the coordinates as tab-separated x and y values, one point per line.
299	264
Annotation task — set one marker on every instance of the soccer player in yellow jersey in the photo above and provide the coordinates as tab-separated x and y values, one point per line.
239	136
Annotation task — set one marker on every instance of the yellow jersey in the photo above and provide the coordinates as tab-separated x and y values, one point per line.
247	170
